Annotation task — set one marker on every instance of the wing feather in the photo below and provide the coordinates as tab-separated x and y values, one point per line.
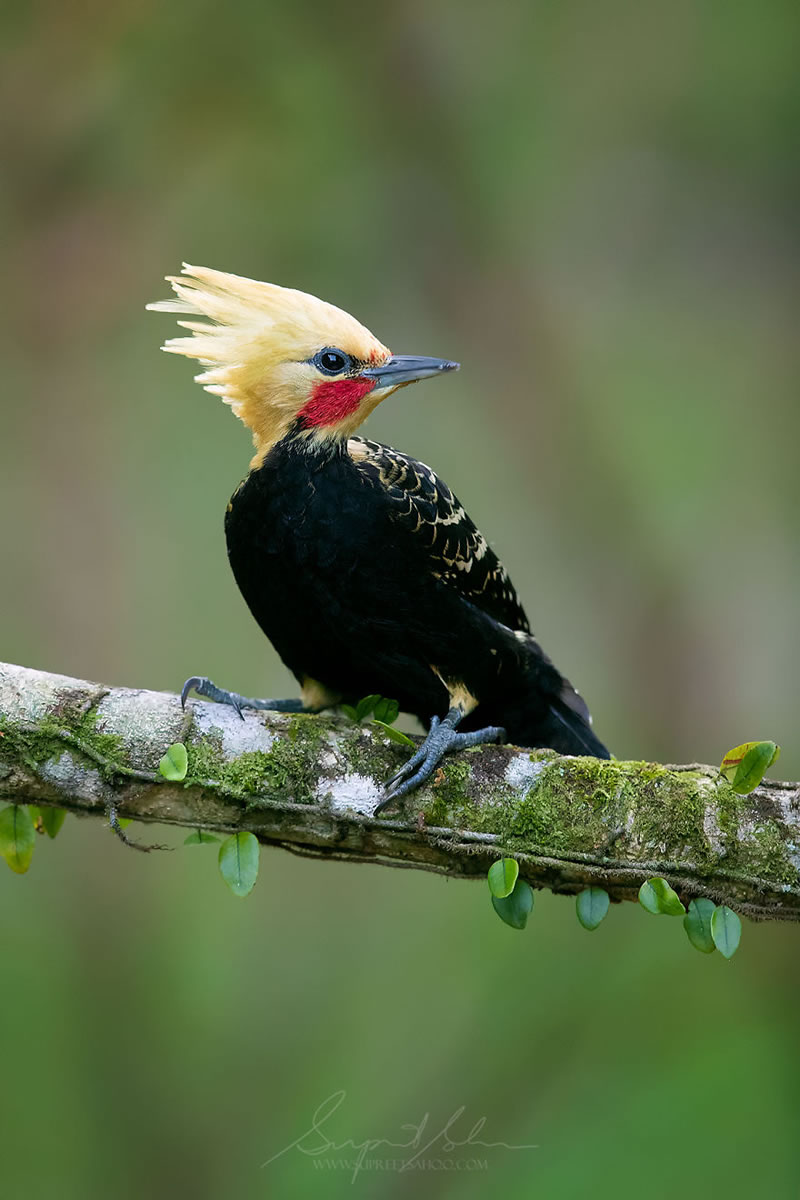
421	503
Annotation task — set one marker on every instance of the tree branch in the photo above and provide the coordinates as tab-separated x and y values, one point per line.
309	784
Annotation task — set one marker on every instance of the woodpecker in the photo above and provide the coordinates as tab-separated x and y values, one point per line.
357	561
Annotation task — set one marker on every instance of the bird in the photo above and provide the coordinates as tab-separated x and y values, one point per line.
357	561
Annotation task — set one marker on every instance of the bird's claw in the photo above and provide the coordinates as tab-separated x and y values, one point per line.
193	683
442	739
204	687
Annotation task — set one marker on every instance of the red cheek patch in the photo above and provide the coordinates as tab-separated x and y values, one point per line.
334	400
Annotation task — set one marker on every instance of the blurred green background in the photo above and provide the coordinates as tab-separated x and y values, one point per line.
594	208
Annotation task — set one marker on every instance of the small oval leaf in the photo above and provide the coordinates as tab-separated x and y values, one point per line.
386	711
394	735
52	820
745	766
726	930
175	763
238	862
17	837
697	924
199	838
656	896
591	906
365	706
502	877
514	909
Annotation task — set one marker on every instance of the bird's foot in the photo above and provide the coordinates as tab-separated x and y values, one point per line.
204	687
442	738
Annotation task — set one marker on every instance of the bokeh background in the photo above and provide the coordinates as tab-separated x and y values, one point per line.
594	208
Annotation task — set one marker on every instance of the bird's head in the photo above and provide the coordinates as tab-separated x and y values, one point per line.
284	360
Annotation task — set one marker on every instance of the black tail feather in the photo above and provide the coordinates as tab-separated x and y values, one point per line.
575	735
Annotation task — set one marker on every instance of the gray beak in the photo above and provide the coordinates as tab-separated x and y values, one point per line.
406	368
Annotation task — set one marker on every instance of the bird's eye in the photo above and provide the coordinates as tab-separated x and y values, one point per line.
331	361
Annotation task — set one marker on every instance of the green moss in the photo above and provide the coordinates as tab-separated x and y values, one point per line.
765	852
566	809
109	746
259	771
730	807
586	803
205	759
287	769
770	857
30	747
451	785
366	753
451	804
668	812
83	740
309	730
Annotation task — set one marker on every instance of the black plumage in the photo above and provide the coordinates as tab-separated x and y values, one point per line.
367	575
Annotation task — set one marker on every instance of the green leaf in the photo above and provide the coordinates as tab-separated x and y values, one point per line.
726	930
394	735
514	909
386	711
17	837
365	706
175	763
238	862
349	711
591	905
656	896
52	820
745	766
124	822
199	838
502	877
697	924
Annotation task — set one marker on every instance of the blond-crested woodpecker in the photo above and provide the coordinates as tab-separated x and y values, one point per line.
357	561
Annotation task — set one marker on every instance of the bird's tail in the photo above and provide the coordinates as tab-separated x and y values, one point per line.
554	714
571	733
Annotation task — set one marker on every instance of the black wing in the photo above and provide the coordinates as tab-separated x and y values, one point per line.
459	554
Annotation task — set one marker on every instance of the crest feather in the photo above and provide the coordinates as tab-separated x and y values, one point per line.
256	343
255	327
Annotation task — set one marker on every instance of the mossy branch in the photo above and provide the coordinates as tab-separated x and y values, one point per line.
309	784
